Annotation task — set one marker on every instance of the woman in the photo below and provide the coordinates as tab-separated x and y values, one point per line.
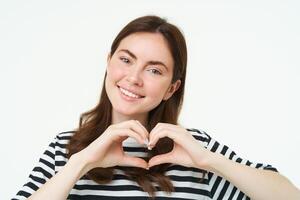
130	145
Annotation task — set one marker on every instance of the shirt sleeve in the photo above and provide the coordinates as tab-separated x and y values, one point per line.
220	188
43	171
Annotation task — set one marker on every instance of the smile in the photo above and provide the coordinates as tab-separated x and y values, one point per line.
129	94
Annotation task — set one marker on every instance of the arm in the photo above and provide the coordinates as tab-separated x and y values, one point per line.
105	151
60	185
255	183
258	184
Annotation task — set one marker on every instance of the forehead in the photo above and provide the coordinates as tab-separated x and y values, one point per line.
148	46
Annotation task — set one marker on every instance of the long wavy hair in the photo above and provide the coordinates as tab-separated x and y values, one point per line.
95	121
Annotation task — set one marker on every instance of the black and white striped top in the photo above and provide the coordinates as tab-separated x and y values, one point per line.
185	180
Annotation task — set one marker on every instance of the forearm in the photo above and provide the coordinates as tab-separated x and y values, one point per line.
256	183
59	186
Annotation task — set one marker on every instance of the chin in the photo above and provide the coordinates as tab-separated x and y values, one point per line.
127	112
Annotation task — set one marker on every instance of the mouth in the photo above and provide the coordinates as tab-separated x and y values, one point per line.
129	95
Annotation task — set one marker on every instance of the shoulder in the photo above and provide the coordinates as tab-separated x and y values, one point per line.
62	139
66	135
200	135
209	142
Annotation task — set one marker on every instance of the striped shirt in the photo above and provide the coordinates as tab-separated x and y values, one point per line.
184	179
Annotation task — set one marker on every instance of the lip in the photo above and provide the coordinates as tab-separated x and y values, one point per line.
130	91
128	98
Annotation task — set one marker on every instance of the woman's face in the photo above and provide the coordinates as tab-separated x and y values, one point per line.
139	74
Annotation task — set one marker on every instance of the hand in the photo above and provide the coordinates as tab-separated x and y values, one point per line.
107	150
187	151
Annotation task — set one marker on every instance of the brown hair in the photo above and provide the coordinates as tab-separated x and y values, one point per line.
94	122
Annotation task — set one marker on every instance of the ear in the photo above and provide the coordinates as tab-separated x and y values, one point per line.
172	88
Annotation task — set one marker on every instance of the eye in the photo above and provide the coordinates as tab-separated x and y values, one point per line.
125	60
155	71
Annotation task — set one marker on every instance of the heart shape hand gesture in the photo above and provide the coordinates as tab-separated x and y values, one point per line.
107	150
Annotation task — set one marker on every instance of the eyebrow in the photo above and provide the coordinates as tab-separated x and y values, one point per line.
151	62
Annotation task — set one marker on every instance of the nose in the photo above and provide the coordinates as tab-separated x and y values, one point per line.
134	77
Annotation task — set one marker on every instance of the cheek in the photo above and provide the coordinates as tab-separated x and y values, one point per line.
114	73
157	89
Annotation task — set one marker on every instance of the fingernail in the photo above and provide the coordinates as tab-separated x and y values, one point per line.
149	147
146	141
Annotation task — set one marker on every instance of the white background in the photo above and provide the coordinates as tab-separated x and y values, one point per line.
242	82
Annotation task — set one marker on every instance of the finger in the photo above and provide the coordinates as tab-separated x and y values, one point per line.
145	131
155	130
121	133
175	132
160	159
159	127
133	125
165	132
133	161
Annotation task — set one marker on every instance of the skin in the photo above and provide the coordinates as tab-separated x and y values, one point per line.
129	68
130	117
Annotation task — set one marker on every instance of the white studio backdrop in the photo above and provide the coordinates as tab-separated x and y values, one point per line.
242	83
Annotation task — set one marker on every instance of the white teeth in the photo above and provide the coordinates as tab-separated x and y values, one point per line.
126	92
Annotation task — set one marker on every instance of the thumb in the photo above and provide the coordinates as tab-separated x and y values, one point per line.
160	159
134	162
